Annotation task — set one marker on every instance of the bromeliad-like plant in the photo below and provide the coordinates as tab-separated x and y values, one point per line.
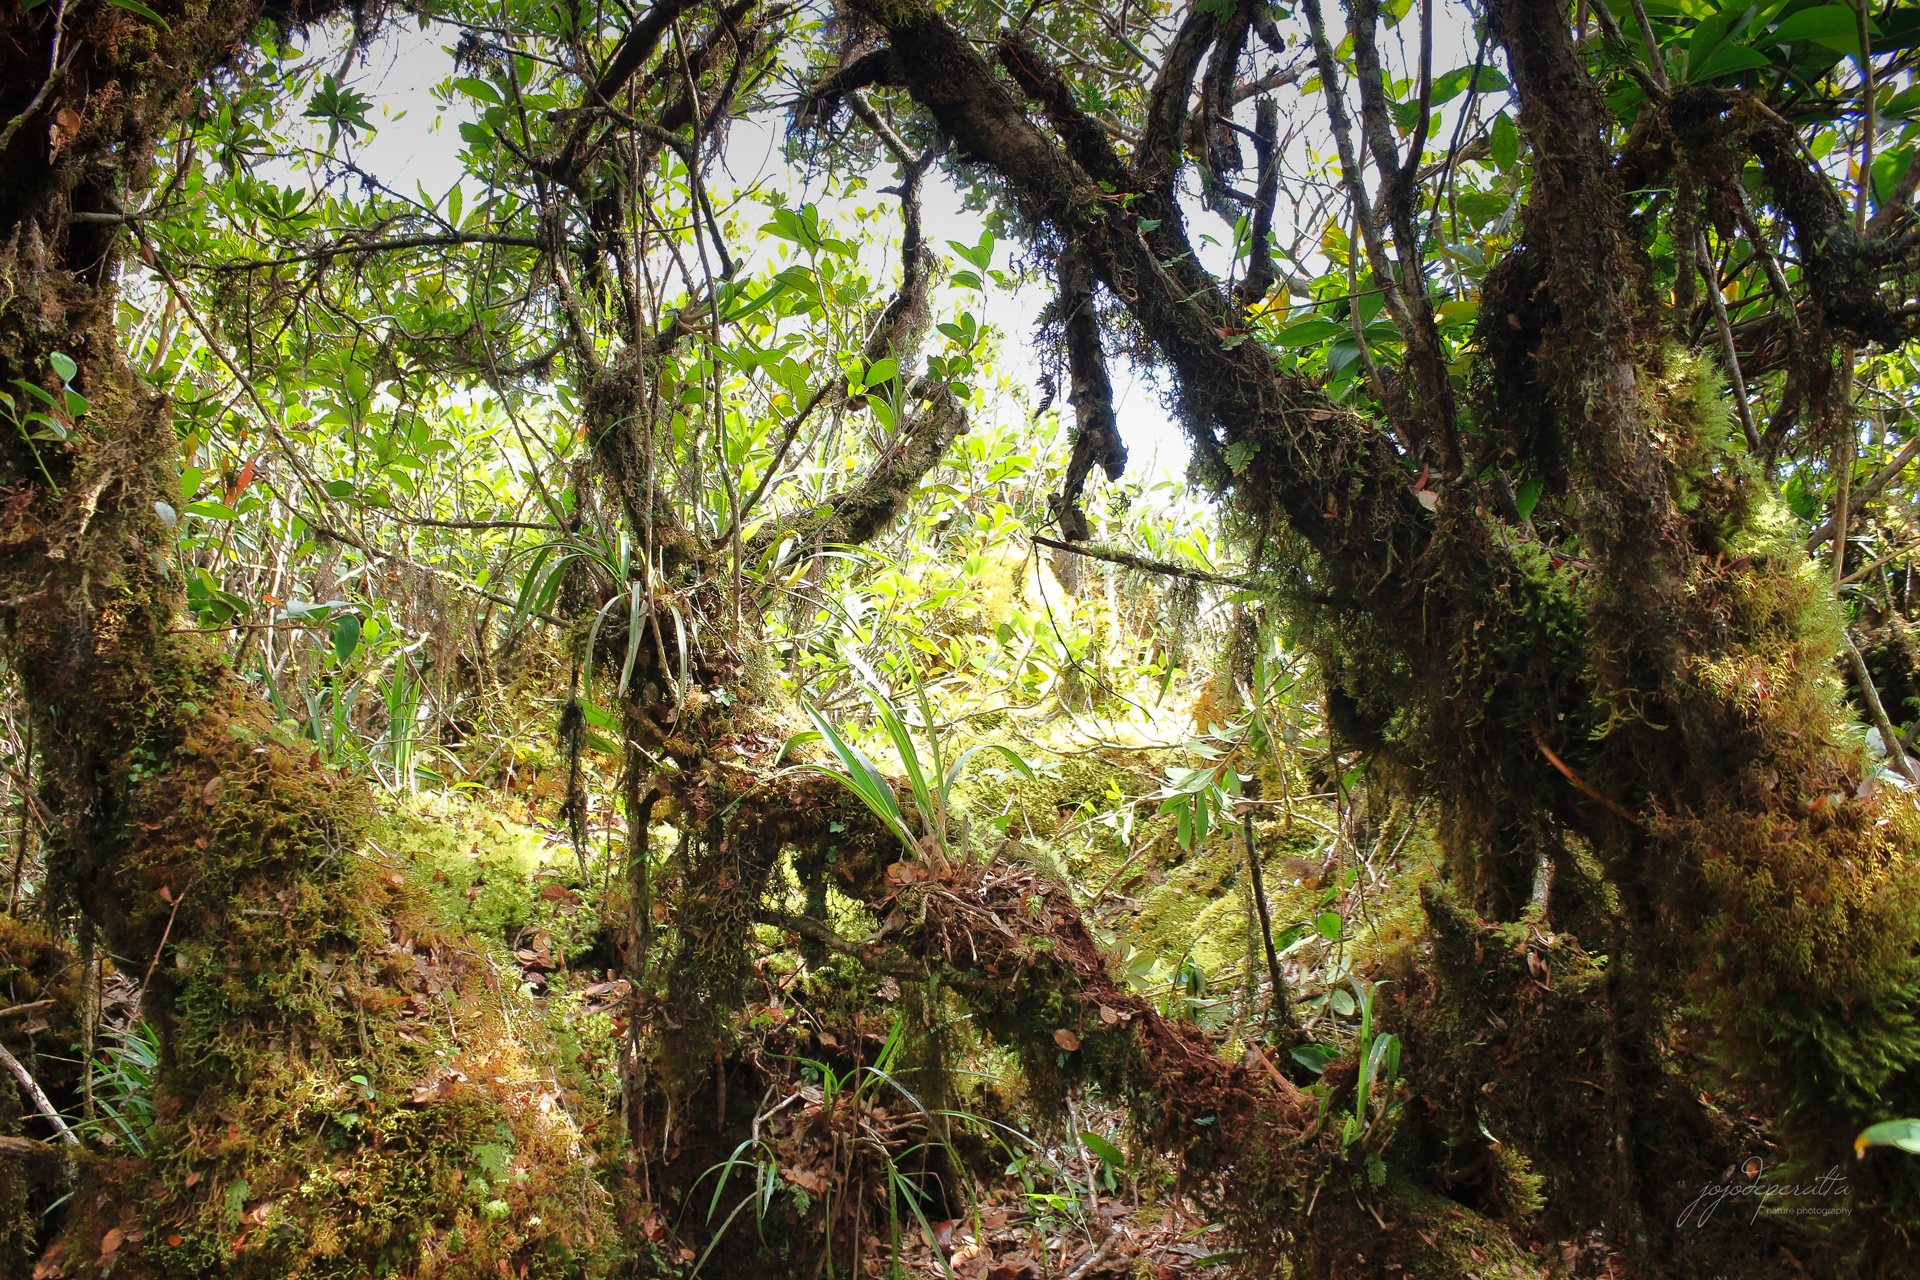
1379	1058
929	778
122	1088
851	1094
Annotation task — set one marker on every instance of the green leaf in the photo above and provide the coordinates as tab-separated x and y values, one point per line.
1012	757
1503	143
346	636
1904	1134
1727	60
909	754
1342	1003
1800	497
1315	329
1383	1062
1888	169
236	1199
1329	925
1834	25
478	89
1104	1149
339	106
1456	82
1713	31
211	510
863	779
134	6
1528	497
1315	1057
980	255
63	365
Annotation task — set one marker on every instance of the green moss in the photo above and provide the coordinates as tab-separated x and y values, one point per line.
345	1090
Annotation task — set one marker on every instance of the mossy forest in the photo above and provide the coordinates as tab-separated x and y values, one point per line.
838	639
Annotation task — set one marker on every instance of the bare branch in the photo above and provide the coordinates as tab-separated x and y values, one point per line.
1868	491
1145	564
1740	404
856	514
40	1101
352	248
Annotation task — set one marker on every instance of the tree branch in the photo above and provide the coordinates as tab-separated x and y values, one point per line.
1740	404
1157	160
1260	276
1085	138
40	1101
1862	494
1145	564
350	248
818	104
854	515
808	927
1096	436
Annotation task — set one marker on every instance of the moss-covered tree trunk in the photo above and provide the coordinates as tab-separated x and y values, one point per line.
1654	718
216	854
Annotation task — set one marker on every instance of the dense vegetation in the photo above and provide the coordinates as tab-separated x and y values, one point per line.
617	719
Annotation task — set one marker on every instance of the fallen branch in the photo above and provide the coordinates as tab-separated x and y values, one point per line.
1099	1255
35	1006
10	1145
40	1100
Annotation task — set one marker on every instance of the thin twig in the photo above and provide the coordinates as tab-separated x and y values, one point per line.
1866	569
1656	65
1868	491
1280	1008
1712	276
773	467
1099	1255
1846	452
445	575
1871	125
165	933
53	76
377	246
1581	782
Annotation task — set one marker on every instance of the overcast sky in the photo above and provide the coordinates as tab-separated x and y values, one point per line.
418	141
